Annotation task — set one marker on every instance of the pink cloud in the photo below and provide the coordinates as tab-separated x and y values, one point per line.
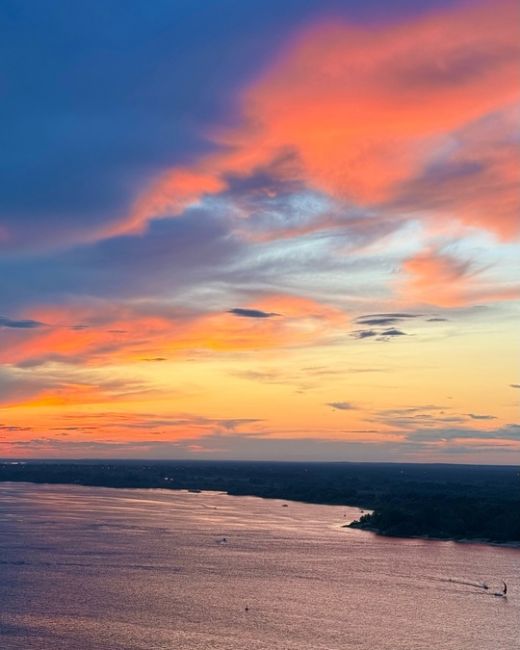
363	112
436	278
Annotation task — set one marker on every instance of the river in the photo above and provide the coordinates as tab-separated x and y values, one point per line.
108	569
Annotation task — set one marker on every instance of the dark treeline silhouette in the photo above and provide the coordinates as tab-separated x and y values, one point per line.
443	501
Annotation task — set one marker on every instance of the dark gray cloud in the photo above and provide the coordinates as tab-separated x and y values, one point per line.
19	324
364	334
392	318
252	313
378	321
514	385
393	332
395	315
341	406
379	334
477	416
384	319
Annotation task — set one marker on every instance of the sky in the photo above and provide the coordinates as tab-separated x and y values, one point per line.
279	230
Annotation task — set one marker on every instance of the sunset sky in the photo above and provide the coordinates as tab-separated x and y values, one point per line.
260	229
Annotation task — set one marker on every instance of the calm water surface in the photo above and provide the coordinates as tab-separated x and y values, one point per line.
94	568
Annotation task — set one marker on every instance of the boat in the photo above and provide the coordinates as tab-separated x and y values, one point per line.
503	593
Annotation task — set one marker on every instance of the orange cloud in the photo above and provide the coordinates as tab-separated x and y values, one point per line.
436	278
364	111
123	333
68	394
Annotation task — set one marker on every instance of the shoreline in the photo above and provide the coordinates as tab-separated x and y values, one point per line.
432	538
352	525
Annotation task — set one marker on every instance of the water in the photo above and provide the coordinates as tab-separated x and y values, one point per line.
102	569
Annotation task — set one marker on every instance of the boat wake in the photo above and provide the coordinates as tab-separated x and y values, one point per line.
479	585
469	583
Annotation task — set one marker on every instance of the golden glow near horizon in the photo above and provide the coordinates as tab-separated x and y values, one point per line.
335	276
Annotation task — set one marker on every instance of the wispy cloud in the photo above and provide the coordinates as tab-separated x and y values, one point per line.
341	406
438	278
252	313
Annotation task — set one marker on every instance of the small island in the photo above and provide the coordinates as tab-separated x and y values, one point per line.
457	502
